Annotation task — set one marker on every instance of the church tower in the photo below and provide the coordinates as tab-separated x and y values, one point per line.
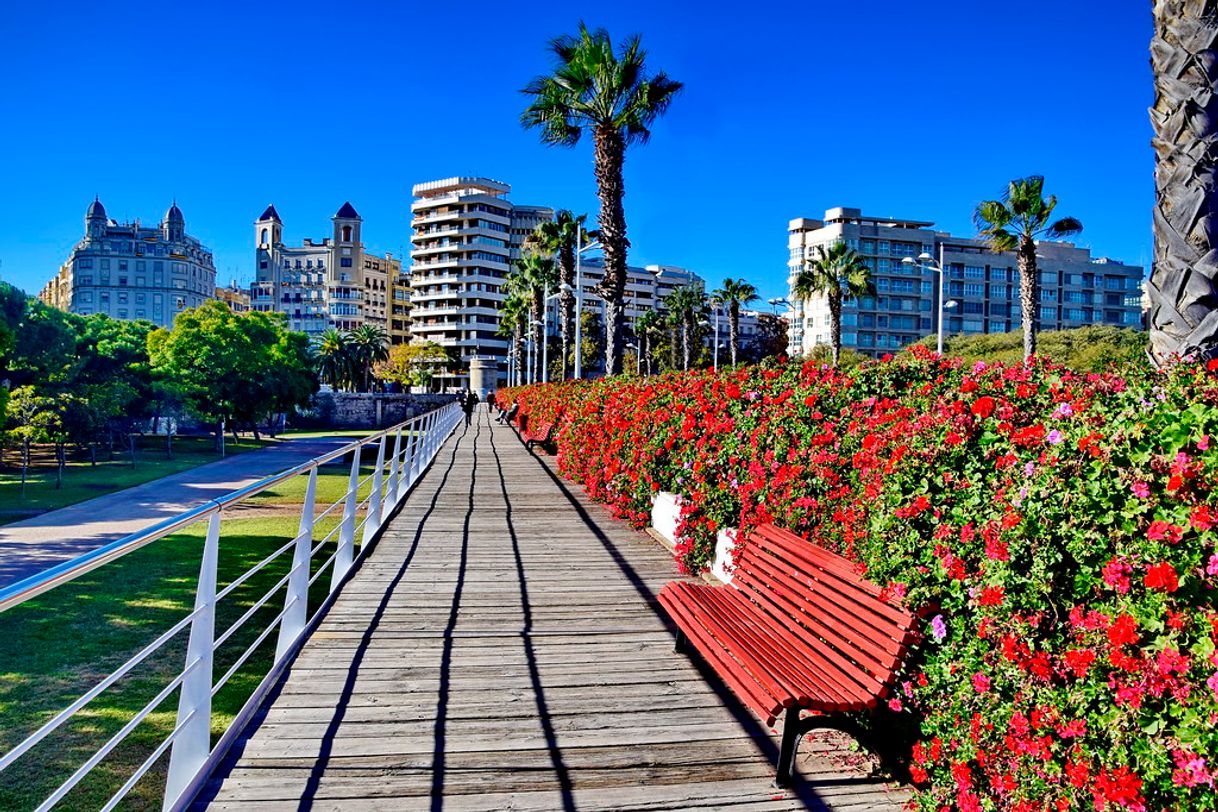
268	233
95	220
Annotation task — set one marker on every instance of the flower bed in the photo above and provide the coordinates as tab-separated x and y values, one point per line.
1056	530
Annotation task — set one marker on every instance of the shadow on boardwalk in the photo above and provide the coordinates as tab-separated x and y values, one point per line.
501	648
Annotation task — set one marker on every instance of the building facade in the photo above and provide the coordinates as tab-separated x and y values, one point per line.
131	271
981	289
238	300
464	235
399	306
331	284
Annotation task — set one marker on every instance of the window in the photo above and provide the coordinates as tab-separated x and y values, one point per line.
265	234
105	263
122	264
344	262
85	262
346	233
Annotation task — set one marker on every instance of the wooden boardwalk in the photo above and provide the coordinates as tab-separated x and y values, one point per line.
501	649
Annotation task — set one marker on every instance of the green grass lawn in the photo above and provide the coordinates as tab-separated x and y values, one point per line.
60	644
83	481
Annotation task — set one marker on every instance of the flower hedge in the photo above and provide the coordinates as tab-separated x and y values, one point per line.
1056	530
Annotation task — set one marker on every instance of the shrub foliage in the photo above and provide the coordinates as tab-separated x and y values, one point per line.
1056	530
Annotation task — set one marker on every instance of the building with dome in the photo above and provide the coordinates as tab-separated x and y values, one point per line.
133	271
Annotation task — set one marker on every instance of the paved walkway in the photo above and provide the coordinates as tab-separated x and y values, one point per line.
32	545
500	648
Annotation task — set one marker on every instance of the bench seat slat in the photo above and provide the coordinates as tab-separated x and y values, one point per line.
814	681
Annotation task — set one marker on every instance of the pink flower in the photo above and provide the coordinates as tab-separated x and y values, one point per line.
1140	489
1063	410
1055	437
981	683
1212	684
895	705
1211	568
1203	443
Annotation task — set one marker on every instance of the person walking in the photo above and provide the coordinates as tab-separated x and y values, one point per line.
490	403
468	403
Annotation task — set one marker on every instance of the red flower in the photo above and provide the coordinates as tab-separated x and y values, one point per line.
983	406
1079	661
1030	436
1165	531
1202	518
1123	631
990	596
1162	577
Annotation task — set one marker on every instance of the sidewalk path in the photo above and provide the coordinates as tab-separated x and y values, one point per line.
32	545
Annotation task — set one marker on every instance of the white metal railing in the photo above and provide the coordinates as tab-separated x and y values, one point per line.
415	444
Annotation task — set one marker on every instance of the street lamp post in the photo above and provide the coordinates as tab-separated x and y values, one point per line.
926	261
580	248
545	347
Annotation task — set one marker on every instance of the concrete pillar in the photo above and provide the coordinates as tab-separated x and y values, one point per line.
483	375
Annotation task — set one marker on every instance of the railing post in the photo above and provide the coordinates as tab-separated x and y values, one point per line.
372	522
193	743
408	461
395	470
296	602
346	533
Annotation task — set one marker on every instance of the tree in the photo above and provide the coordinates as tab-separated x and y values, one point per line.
687	304
334	360
648	327
734	294
38	418
12	309
513	314
592	340
615	99
1183	285
837	273
368	345
1013	224
232	365
770	341
559	237
412	364
535	275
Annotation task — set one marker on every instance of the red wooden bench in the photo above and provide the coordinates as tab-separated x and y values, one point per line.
542	435
798	630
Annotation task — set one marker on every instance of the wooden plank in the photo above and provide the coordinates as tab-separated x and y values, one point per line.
504	651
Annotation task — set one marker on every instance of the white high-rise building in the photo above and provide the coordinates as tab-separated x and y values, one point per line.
464	235
981	291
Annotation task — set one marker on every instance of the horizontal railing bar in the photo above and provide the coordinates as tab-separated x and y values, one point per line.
256	568
323	567
249	612
116	739
248	651
27	588
65	714
146	766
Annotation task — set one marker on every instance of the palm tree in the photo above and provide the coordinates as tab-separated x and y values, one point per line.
686	304
648	325
559	237
1183	285
369	345
1014	224
838	273
535	275
513	314
613	97
734	294
334	359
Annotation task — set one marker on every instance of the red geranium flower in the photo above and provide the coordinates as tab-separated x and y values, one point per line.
1162	577
983	406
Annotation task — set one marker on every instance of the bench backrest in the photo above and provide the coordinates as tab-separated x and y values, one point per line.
839	612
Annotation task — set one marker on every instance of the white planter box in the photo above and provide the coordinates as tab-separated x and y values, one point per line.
722	568
665	514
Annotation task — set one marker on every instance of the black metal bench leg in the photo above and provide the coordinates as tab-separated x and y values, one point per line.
681	644
792	734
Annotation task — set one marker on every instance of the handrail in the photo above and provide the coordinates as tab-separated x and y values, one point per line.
416	442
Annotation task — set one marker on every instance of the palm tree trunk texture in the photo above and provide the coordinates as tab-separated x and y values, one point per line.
835	325
686	335
1029	282
566	304
610	155
538	332
1183	283
733	328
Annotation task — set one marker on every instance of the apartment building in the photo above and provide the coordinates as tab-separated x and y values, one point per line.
238	300
334	283
131	271
399	306
981	290
464	234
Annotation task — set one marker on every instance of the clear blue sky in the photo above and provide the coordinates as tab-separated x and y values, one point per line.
908	109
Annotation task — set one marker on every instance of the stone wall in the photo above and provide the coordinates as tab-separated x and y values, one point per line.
366	410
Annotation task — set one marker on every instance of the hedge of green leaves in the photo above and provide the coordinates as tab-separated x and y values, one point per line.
1056	531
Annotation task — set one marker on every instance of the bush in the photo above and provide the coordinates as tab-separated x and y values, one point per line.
1056	530
1084	349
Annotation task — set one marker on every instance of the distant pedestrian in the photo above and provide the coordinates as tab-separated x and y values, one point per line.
490	403
471	400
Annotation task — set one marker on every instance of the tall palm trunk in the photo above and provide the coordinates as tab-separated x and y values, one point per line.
1183	284
835	325
610	155
733	328
566	302
1029	282
687	337
517	340
538	331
